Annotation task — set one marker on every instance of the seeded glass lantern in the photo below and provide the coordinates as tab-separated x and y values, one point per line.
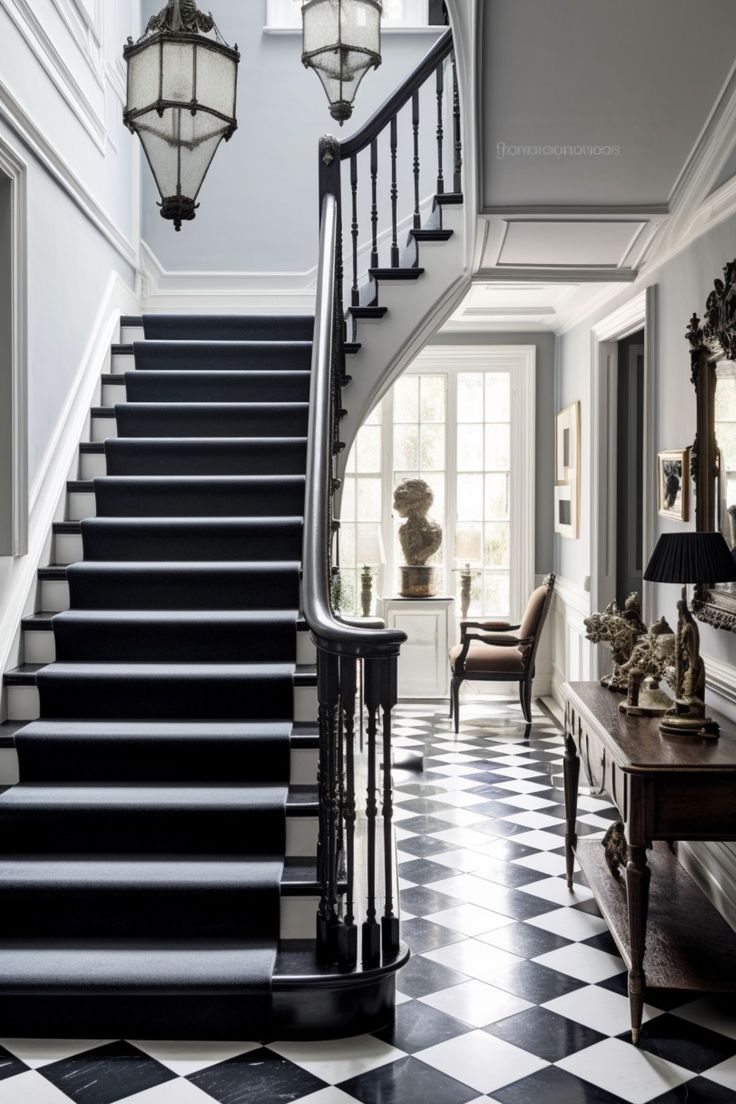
181	101
342	41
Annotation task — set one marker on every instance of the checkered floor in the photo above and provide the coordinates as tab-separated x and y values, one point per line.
515	992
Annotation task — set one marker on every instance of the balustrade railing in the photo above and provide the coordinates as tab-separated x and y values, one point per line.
356	661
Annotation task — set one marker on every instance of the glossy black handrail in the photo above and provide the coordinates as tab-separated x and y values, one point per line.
328	632
383	115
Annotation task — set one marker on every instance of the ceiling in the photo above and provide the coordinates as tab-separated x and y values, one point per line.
604	126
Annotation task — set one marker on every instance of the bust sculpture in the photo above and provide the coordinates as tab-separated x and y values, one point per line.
420	537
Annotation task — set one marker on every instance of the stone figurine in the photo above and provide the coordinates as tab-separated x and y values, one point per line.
650	664
621	630
420	537
616	848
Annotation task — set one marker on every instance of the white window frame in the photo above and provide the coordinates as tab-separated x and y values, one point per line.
284	16
520	362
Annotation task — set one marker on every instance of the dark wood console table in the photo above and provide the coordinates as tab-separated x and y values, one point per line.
666	789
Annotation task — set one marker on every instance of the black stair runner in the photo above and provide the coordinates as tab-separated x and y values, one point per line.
142	853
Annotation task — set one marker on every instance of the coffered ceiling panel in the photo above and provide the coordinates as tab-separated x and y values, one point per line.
562	243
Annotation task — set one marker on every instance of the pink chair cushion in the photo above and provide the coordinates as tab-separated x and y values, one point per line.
489	658
533	612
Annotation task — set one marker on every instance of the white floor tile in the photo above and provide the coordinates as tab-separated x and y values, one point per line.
460	859
724	1074
523	787
460	798
545	862
469	919
462	818
555	890
41	1052
184	1057
31	1088
623	1069
471	889
530	818
178	1091
526	801
474	959
598	1008
330	1095
476	1003
465	838
539	839
570	923
486	1063
582	962
336	1060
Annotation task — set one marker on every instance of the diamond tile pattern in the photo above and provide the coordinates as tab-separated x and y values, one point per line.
514	993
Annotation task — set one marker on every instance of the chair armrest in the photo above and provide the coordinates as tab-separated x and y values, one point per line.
488	626
502	641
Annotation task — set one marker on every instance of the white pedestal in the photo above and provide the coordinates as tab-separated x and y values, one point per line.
424	665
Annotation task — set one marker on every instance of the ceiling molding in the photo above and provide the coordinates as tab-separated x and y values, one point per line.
579	212
565	274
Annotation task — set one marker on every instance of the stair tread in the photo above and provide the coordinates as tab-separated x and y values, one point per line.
435	234
25	673
397	273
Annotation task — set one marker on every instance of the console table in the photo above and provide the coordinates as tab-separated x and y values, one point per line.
666	789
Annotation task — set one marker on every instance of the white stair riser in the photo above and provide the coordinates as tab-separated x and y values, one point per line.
102	428
298	917
121	362
39	645
23	703
129	334
303	766
92	464
54	595
112	393
301	836
80	505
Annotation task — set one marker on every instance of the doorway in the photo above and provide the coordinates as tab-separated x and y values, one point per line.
6	365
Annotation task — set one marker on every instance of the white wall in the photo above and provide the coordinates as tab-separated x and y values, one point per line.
61	98
256	228
682	285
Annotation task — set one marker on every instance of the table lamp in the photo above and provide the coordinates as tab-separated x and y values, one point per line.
689	558
467	547
370	553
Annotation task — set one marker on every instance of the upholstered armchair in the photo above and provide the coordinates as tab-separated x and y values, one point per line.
494	651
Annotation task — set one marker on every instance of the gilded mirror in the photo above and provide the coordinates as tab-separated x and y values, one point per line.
713	363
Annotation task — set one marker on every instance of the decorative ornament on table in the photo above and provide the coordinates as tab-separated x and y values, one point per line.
650	663
419	536
616	848
621	630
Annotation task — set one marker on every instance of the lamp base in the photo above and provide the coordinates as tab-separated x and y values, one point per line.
688	721
418	581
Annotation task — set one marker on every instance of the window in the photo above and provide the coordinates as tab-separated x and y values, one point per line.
462	419
287	14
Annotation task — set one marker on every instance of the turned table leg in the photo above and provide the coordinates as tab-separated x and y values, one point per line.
571	767
637	887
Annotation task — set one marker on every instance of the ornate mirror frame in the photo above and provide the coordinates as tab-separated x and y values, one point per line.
711	342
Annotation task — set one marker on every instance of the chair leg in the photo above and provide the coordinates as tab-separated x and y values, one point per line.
451	698
455	695
525	698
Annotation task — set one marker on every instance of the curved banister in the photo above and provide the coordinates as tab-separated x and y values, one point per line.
331	634
379	120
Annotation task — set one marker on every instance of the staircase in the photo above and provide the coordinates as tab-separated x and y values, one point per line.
182	776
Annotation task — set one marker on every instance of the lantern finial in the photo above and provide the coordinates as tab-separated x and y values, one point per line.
181	15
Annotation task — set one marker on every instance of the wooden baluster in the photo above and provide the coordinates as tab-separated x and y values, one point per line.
440	126
371	941
355	298
348	933
457	184
328	698
416	163
389	697
374	203
394	195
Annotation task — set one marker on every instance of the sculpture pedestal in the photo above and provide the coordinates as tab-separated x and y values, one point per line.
418	582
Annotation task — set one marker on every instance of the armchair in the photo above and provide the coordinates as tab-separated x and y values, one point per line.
495	651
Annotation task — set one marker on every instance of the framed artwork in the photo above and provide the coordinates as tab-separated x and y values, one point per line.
567	471
673	482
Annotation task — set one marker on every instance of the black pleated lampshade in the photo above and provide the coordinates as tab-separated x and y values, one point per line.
691	558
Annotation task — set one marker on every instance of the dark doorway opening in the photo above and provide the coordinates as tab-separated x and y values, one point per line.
630	474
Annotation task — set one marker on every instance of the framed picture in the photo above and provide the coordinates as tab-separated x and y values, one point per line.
567	444
673	470
567	472
566	510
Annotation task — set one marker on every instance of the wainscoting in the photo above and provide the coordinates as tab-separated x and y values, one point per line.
571	654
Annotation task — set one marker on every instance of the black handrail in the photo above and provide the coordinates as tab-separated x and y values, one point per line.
331	634
382	116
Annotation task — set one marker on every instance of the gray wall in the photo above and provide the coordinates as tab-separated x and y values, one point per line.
6	368
682	286
544	459
258	210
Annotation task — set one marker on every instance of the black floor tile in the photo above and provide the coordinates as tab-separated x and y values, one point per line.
545	1034
421	845
10	1065
253	1078
407	1081
525	940
421	934
424	871
534	982
554	1086
697	1091
106	1073
686	1044
421	976
420	901
418	1026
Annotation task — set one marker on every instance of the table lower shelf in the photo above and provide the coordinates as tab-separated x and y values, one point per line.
689	944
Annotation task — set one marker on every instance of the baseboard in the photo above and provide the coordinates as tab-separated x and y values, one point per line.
48	492
713	867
